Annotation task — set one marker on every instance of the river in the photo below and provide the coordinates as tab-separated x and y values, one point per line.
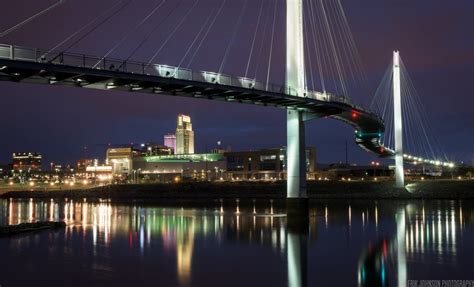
347	243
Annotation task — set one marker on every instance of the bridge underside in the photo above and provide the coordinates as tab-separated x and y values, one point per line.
368	127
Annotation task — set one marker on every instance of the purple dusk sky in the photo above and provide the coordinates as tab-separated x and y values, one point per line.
435	38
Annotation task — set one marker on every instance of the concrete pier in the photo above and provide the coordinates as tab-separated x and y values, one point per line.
297	211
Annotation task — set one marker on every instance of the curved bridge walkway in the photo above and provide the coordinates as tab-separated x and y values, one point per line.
29	65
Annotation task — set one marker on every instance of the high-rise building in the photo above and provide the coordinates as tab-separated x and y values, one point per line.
184	135
170	141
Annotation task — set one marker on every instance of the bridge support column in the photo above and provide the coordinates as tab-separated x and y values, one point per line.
398	125
296	155
297	201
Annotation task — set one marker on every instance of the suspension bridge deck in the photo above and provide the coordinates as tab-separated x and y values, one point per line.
27	65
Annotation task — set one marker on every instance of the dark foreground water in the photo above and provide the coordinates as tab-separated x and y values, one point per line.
357	243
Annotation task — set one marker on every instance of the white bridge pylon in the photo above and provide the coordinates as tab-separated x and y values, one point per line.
398	122
295	77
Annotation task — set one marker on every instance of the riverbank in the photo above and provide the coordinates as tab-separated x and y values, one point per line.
29	227
439	189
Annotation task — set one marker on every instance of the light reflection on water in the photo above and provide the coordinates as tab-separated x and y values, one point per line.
363	243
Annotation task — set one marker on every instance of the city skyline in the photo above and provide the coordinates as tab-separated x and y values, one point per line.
237	142
439	63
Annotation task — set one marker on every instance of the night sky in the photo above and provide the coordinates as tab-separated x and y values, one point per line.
435	38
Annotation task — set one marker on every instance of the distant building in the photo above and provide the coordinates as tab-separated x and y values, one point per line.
167	168
219	149
152	149
62	170
170	141
184	135
82	164
121	160
26	162
4	170
100	173
266	164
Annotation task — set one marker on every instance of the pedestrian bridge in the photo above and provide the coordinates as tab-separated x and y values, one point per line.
30	65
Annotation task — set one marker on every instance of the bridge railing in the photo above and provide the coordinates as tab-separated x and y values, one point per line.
92	62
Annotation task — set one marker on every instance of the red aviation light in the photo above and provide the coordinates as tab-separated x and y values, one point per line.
354	114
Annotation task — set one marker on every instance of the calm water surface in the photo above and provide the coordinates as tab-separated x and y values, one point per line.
348	243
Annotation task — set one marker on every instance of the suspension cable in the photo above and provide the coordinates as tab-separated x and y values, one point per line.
82	28
94	28
334	51
125	37
147	37
197	37
173	32
207	33
29	19
271	45
262	43
234	34
254	38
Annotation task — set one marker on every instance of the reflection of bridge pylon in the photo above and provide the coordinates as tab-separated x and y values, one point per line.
401	252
